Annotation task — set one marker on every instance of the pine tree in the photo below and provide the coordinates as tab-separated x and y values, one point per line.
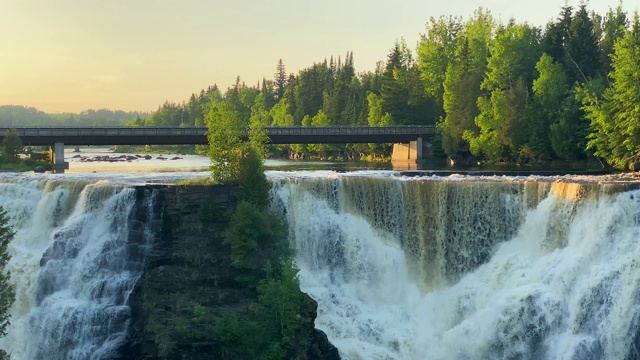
280	81
582	50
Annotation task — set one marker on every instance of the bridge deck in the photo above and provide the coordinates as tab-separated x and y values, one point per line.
197	135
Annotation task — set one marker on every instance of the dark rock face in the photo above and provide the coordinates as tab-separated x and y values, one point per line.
189	265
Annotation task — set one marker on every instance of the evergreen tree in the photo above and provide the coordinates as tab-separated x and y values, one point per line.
311	84
267	90
554	41
280	81
335	103
582	52
615	117
394	96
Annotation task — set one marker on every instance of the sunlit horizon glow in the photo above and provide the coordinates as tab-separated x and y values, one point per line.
70	55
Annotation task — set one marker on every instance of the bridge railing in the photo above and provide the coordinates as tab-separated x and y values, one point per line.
351	130
107	131
200	131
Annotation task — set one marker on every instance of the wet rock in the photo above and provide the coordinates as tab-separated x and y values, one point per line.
189	264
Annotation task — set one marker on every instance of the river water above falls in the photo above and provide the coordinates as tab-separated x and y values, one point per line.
452	267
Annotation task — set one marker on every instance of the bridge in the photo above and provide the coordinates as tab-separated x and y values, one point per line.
407	139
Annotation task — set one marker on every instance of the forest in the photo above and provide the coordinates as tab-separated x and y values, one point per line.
497	92
17	116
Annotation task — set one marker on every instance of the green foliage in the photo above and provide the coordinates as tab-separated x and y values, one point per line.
7	291
259	119
582	48
243	235
12	115
462	82
239	336
394	96
568	134
210	212
253	183
458	62
270	328
615	115
503	118
255	237
12	145
551	86
225	135
282	300
205	180
436	51
613	27
280	113
320	119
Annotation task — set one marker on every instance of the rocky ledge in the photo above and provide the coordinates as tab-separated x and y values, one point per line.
189	266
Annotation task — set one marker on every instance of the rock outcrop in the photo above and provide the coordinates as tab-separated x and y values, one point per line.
189	266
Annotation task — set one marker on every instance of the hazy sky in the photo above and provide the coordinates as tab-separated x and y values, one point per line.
72	55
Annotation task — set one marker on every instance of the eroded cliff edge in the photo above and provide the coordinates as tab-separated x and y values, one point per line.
188	276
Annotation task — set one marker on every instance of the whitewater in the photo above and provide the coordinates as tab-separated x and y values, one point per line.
78	251
456	267
469	268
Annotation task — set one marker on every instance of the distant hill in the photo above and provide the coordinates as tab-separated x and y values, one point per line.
19	116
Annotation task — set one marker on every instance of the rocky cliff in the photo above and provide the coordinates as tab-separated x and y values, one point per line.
188	275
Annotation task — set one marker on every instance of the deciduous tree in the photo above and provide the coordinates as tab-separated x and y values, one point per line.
225	135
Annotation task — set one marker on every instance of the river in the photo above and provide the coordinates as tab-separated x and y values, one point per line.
402	268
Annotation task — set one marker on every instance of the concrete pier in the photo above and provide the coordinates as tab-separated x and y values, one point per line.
56	153
411	153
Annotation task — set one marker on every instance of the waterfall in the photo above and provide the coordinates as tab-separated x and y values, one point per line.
78	251
466	268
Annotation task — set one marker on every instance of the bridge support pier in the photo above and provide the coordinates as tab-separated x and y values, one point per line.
408	154
56	153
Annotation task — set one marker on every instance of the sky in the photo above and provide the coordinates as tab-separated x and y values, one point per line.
73	55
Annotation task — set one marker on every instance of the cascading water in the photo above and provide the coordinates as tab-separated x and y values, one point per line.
78	251
468	268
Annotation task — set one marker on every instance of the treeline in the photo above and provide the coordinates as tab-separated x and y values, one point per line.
518	93
17	116
327	93
500	92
